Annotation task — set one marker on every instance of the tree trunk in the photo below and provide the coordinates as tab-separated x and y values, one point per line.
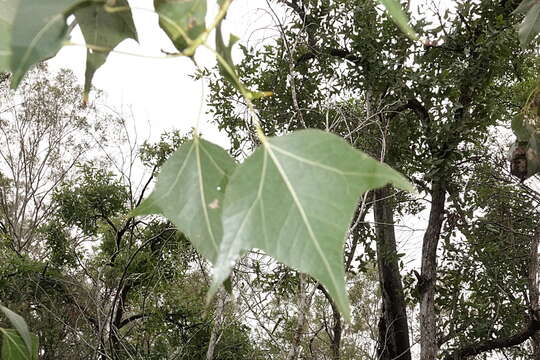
217	329
304	302
337	328
533	290
393	327
426	285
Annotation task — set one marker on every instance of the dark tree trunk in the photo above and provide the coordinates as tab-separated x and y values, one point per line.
533	290
393	326
337	329
426	285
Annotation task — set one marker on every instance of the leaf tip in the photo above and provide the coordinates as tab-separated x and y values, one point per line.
147	207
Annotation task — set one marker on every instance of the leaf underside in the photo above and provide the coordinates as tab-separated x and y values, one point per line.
105	30
14	347
20	325
190	191
530	26
181	18
294	198
37	33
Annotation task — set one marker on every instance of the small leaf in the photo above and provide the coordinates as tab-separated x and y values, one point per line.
400	18
181	19
14	347
294	199
190	191
227	70
530	26
103	30
38	31
20	325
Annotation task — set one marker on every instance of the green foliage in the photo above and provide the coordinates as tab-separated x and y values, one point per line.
226	65
154	155
294	196
96	195
58	243
484	272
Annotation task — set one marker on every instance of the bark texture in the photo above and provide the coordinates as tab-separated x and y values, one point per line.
217	329
426	285
534	291
393	325
304	302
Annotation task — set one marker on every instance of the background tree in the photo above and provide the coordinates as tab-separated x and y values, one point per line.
429	107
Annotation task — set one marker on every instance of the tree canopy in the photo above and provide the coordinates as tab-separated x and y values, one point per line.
346	131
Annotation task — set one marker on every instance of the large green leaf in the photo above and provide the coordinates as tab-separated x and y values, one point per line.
530	26
400	18
294	198
180	19
14	347
103	30
20	325
38	30
189	192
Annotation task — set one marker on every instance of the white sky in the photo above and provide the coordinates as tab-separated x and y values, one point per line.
158	91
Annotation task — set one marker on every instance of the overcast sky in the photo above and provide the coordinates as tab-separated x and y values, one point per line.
158	91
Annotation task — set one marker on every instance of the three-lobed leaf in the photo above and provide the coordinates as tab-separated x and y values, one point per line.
183	21
103	29
190	191
294	199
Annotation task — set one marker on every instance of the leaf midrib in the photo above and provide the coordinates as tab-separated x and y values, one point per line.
203	195
268	148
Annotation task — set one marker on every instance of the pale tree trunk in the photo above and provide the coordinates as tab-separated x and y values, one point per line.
426	284
217	329
393	325
304	302
533	290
